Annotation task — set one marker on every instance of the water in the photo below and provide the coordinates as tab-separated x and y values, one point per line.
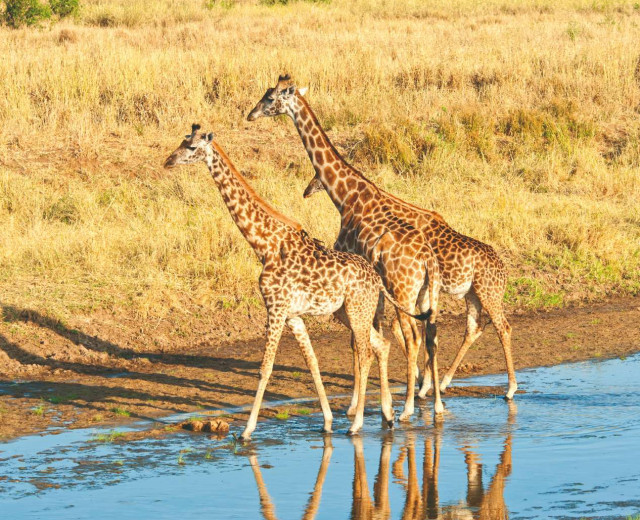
567	448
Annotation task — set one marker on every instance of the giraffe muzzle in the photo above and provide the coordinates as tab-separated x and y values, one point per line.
170	163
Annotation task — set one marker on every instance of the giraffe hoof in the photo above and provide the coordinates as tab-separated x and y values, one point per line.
391	423
351	433
405	417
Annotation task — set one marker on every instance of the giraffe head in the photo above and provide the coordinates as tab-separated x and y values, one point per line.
313	187
194	148
277	100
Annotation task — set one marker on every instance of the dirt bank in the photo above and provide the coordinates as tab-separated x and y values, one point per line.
61	375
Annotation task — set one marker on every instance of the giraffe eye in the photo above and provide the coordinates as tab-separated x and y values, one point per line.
192	148
271	99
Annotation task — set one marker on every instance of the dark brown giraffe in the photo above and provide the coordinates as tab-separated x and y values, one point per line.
299	276
469	268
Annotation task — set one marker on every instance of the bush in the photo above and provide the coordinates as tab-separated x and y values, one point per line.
24	12
64	8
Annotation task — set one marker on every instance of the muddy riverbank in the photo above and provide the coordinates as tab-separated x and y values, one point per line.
82	374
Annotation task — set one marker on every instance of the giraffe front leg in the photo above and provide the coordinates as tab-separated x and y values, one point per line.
275	326
300	332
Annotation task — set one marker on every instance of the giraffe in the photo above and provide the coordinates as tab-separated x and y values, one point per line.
469	269
299	276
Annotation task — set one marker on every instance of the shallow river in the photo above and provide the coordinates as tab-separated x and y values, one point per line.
568	448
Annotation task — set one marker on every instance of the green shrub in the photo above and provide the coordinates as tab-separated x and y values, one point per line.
64	8
24	12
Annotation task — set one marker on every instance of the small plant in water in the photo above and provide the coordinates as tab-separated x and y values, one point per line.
181	460
38	410
283	415
304	411
108	437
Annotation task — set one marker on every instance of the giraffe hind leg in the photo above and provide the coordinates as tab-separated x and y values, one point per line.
496	312
399	335
473	332
341	316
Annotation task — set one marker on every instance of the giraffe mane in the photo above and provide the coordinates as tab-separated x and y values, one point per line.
257	198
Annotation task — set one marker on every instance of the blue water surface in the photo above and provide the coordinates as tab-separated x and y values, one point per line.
569	447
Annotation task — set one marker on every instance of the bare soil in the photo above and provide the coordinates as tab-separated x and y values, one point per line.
108	369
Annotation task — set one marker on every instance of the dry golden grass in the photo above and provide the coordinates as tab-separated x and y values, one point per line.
517	121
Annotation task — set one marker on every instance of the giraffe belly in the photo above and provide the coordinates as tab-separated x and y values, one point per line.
314	305
458	290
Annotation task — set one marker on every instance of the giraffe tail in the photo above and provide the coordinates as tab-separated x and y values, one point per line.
422	317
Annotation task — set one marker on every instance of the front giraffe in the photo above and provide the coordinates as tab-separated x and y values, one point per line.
469	268
299	276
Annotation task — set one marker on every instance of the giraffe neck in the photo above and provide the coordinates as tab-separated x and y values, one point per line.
261	225
342	181
345	185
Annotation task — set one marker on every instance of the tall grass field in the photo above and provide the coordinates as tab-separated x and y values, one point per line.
517	121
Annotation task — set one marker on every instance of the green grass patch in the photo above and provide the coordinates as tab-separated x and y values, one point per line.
528	292
61	399
283	415
303	411
123	412
109	437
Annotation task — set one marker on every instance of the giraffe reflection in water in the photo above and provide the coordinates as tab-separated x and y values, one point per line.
421	502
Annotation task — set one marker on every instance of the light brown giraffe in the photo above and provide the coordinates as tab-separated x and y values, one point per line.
299	276
469	268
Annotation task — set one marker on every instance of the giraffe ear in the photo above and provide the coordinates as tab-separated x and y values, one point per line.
302	91
210	136
290	91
